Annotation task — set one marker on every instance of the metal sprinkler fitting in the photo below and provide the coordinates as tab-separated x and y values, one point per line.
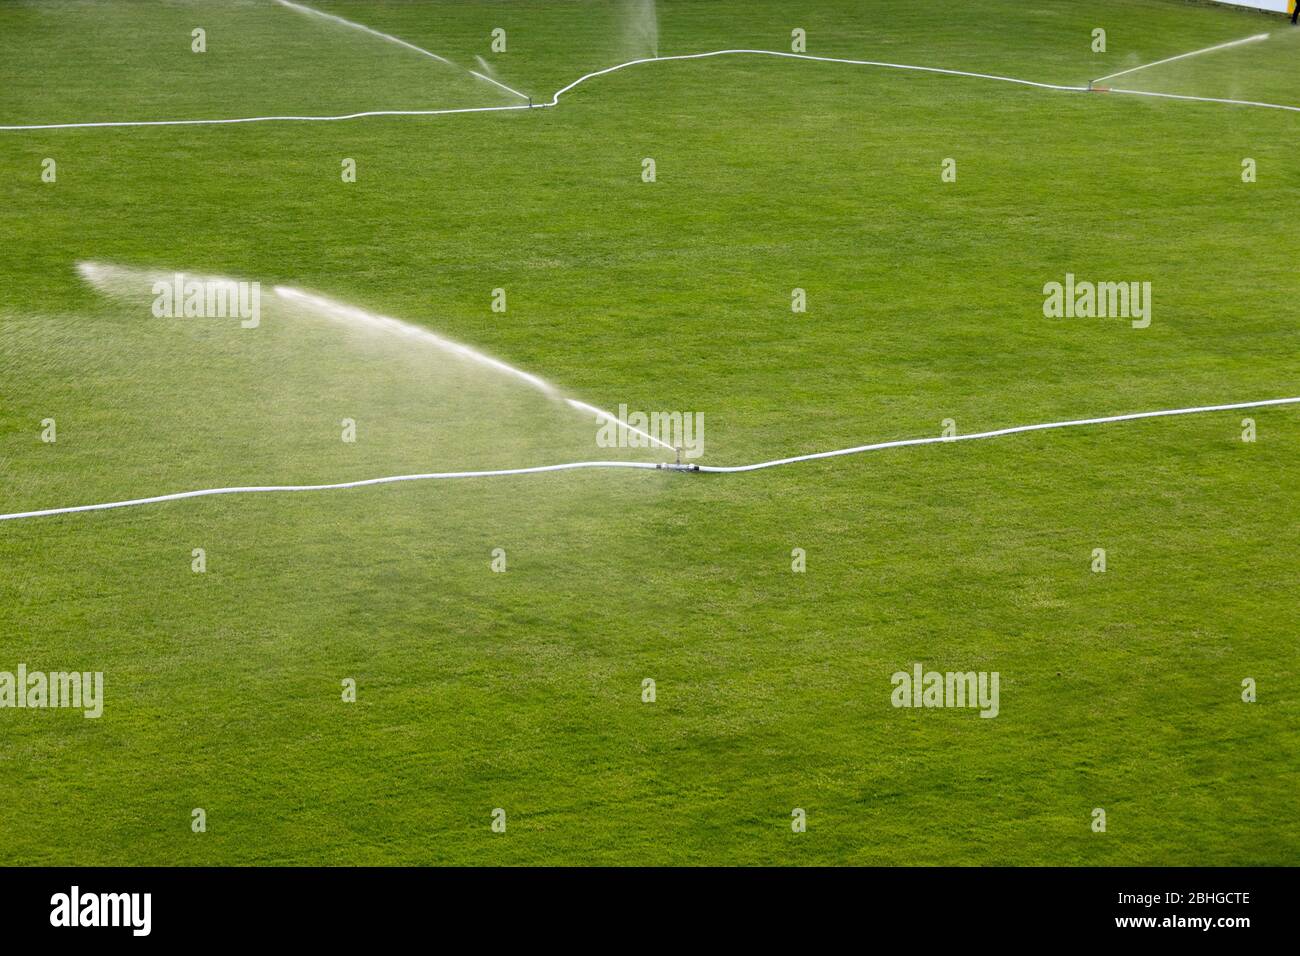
677	465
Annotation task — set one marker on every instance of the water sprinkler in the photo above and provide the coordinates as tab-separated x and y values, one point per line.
677	465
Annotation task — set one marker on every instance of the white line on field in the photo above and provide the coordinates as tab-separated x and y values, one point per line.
571	466
303	8
1181	56
554	101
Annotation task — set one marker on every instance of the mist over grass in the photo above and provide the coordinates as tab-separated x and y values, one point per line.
261	59
180	403
1263	71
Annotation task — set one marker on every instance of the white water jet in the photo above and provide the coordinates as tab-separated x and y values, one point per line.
489	75
640	28
1183	56
362	318
352	24
132	283
605	416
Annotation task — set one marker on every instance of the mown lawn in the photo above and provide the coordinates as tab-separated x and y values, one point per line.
522	690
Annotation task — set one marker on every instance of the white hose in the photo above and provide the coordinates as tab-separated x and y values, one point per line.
807	56
571	466
392	479
555	99
1206	99
997	433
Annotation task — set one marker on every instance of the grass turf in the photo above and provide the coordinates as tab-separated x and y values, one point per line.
522	690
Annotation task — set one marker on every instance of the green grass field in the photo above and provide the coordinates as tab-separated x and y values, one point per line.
522	690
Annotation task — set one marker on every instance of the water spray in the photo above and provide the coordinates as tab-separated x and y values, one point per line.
105	277
487	74
354	315
1181	56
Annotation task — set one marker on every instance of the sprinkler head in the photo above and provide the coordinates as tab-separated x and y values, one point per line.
677	465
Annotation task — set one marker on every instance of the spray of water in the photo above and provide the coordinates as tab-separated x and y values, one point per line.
489	75
1249	71
125	282
266	401
364	319
640	28
1231	44
353	25
360	317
